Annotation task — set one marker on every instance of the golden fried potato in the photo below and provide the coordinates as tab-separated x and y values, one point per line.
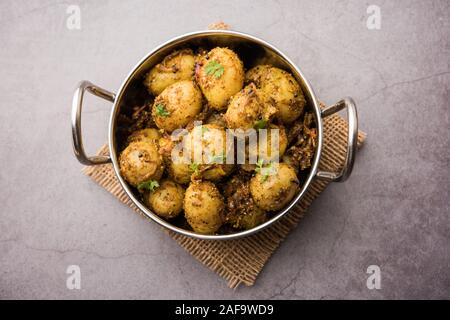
204	207
247	109
215	172
177	105
166	200
165	146
257	74
220	74
141	162
252	219
180	172
177	66
178	164
209	162
273	189
148	134
241	210
263	149
281	88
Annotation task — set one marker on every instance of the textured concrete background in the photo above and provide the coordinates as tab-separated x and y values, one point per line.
393	212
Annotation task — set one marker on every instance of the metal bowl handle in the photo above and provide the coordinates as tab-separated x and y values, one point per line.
352	117
77	104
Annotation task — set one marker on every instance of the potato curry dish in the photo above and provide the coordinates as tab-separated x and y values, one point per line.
217	148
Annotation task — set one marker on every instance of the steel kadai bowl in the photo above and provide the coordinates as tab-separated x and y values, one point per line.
252	51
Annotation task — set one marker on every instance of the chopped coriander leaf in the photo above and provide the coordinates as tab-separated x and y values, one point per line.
194	167
264	171
161	110
220	158
214	68
202	129
150	185
259	165
260	124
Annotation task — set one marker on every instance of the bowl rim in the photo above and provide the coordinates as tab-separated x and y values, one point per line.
240	234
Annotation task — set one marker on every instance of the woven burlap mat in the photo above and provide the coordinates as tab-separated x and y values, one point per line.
240	261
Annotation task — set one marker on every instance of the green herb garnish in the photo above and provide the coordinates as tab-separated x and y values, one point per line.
220	158
264	171
150	185
260	124
259	165
161	110
194	167
268	171
202	129
214	68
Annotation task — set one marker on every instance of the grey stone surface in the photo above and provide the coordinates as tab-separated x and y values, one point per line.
393	212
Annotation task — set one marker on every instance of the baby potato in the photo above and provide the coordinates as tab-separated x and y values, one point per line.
166	200
242	212
220	74
179	167
207	147
148	134
251	219
263	149
257	74
177	66
273	191
177	105
141	162
180	172
204	207
281	88
247	109
215	172
165	146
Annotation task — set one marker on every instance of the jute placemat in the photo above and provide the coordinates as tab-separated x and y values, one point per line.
240	261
